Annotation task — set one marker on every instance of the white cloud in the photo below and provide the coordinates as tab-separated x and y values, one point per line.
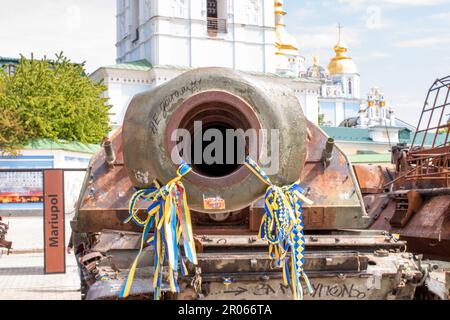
83	29
380	54
326	37
358	3
424	42
407	109
445	16
415	2
371	7
376	55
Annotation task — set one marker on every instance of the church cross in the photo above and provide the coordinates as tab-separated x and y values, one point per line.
340	27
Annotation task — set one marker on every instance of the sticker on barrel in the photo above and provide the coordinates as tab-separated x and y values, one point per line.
213	203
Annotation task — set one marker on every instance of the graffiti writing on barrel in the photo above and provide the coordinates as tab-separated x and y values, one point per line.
161	113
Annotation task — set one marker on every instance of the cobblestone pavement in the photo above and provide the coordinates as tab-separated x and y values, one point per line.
22	278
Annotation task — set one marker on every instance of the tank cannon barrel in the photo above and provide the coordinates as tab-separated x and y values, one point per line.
213	118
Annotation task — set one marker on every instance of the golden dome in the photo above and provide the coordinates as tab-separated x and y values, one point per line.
341	63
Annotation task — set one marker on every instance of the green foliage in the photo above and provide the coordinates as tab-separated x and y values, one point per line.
51	99
321	119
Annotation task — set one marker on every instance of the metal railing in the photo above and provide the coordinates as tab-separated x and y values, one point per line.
217	25
434	118
429	155
430	167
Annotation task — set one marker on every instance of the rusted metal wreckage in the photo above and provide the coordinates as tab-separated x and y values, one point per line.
343	259
3	231
412	198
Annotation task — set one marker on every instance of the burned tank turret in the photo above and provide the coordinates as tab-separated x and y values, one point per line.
226	199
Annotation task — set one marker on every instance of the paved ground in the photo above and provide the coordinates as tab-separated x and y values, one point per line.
27	233
22	278
21	275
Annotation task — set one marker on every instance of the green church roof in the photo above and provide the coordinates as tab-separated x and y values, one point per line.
139	65
440	139
348	134
47	144
370	158
363	135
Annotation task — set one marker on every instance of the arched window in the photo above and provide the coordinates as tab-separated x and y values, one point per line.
350	87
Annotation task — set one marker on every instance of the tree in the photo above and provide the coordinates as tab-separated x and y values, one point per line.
53	100
321	119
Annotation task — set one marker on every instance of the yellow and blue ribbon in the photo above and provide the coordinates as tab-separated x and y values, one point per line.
282	226
169	217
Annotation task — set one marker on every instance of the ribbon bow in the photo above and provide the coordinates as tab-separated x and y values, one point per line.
282	227
169	216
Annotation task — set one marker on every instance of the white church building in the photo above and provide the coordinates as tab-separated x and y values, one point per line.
158	40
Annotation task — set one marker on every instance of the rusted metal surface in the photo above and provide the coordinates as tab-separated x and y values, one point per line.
335	274
3	231
106	193
406	206
111	240
117	240
371	178
233	264
423	192
341	205
423	221
359	242
103	202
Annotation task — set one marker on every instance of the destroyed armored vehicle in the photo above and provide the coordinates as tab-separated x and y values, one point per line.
343	259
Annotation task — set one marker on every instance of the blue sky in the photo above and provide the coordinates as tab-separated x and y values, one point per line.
402	46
